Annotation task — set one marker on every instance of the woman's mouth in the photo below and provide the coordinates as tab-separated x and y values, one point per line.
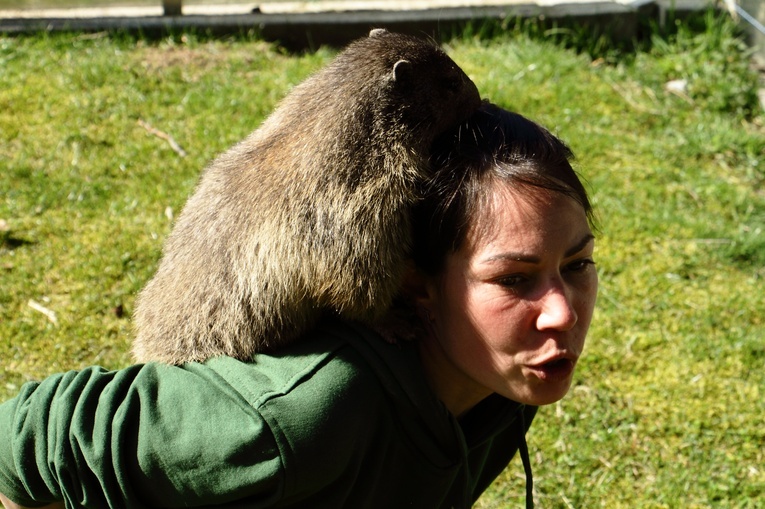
553	371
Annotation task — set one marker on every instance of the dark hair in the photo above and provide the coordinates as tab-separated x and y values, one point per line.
493	145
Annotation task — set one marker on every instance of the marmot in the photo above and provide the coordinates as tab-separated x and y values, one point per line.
309	213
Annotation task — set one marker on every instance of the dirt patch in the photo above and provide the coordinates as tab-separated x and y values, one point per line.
195	61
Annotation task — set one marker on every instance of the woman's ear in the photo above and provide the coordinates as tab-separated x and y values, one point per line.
416	287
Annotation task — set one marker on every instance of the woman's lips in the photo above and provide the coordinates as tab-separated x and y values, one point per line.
553	371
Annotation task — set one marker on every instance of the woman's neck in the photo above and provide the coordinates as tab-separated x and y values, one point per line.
458	392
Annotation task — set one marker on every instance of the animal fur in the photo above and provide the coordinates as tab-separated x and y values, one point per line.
309	213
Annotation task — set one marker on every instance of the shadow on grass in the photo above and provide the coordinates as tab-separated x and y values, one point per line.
10	242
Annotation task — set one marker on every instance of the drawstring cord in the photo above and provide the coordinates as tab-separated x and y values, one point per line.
524	449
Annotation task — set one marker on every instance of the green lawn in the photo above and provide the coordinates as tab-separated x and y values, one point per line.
668	406
69	4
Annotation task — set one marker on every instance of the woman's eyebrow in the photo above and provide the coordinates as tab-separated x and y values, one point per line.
580	245
526	258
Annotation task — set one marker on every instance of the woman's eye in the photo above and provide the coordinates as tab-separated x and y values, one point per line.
511	281
579	265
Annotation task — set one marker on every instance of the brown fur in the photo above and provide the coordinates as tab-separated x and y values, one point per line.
309	213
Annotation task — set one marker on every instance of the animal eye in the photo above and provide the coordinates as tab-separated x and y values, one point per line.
452	84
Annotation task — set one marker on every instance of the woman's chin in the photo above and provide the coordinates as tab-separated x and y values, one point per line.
547	387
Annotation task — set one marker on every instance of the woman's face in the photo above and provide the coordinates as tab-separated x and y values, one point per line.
510	311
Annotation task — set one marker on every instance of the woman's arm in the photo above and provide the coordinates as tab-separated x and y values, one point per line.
145	436
12	505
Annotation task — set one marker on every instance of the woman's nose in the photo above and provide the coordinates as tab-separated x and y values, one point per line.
556	310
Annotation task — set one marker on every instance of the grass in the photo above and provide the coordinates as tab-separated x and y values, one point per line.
667	407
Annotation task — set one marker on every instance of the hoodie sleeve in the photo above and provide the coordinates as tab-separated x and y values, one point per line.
146	436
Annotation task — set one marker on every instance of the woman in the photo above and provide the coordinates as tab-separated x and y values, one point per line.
504	283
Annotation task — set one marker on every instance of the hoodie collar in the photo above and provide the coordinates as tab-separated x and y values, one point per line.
399	369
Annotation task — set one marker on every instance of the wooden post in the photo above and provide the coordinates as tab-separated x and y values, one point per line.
172	7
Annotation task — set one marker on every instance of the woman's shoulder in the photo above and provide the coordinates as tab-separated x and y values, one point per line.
320	398
324	361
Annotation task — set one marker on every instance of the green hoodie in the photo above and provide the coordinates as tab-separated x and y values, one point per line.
340	419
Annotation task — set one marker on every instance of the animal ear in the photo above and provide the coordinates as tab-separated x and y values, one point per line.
377	32
401	70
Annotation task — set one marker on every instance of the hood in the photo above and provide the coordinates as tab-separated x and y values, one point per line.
433	430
